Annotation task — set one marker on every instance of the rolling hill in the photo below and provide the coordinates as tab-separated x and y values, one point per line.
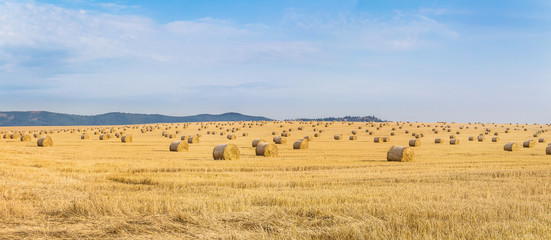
44	118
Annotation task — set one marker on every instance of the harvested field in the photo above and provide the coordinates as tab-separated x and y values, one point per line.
332	190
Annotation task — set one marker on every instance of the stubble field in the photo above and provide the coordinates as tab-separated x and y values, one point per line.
335	189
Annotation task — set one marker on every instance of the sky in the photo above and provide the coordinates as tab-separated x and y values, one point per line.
400	60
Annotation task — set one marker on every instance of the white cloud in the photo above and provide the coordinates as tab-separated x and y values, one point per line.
397	32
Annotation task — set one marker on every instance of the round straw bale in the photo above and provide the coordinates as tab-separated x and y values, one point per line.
84	136
286	134
354	132
352	138
25	138
400	154
266	149
438	140
454	141
414	143
548	150
179	146
386	139
542	140
274	133
257	141
495	139
480	138
529	144
512	146
45	141
193	139
377	139
452	136
308	138
245	134
104	137
184	138
231	136
471	138
338	136
300	144
126	138
226	152
317	134
171	135
280	140
15	136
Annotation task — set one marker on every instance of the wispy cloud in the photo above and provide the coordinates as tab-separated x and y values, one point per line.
399	31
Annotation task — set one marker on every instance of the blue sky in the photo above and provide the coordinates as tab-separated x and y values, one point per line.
464	61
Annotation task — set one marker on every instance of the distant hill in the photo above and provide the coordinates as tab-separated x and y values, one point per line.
347	119
43	118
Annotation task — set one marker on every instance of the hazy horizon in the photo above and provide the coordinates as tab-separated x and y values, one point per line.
467	61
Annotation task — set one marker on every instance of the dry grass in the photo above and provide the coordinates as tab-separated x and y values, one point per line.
95	189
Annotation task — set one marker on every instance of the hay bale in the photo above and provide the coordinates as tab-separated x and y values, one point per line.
471	138
184	138
414	143
25	138
548	150
308	138
386	139
512	146
280	140
438	140
45	141
15	136
300	144
274	133
480	138
257	141
179	146
226	152
542	140
245	134
317	134
104	137
338	136
193	139
452	136
84	136
529	144
400	154
495	139
454	141
353	138
231	137
126	138
266	149
377	139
